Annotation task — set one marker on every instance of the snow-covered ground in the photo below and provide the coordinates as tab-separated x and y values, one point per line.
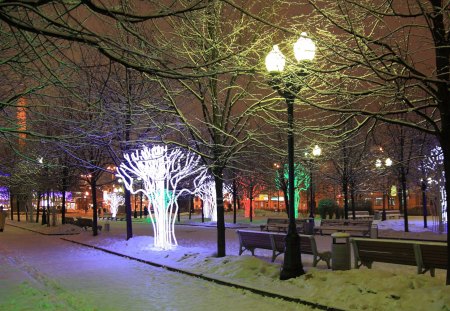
384	287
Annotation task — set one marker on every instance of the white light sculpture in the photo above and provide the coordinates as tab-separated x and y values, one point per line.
435	168
115	199
205	189
160	170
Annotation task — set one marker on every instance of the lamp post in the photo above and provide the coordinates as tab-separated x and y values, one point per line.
317	151
379	165
284	84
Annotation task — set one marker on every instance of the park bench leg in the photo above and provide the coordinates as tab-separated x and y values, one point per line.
432	272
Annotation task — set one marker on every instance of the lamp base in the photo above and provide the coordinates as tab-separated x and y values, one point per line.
292	265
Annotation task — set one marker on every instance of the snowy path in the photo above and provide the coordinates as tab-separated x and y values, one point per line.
40	272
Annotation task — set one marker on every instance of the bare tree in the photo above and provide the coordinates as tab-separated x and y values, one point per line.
216	112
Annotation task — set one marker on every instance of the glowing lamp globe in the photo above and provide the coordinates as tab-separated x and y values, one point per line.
378	163
388	162
275	60
317	151
304	48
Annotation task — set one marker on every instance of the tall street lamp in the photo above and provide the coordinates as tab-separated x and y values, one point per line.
379	165
286	85
317	151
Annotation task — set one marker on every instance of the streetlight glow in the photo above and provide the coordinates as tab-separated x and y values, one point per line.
275	60
304	48
378	163
317	151
388	162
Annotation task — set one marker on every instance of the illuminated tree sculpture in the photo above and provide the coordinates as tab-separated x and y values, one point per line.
301	182
205	189
115	199
160	170
435	171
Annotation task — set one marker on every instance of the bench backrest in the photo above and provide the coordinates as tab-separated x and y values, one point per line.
69	220
84	222
255	239
346	222
355	222
306	243
361	212
434	255
332	222
385	251
271	221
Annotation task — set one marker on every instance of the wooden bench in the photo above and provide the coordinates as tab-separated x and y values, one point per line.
282	224
390	214
273	224
431	256
367	251
360	215
344	225
86	223
426	256
70	220
251	240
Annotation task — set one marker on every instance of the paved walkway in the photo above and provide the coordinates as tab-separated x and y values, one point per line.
46	273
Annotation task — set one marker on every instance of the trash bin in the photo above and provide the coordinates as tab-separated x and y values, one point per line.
107	227
309	226
340	251
377	215
374	230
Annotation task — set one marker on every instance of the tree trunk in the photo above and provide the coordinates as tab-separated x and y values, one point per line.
18	208
220	214
63	199
234	200
352	196
251	209
191	204
400	198
39	195
405	204
48	209
128	214
345	190
94	206
11	205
